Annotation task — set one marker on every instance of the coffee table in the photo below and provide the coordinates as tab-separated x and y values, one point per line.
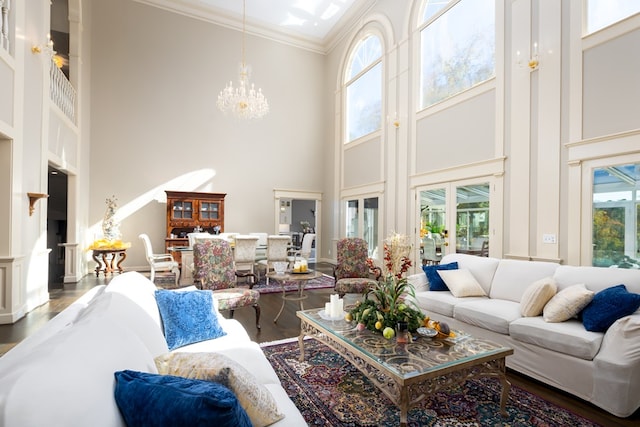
300	279
407	373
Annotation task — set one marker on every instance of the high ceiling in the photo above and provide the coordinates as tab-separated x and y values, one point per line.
311	24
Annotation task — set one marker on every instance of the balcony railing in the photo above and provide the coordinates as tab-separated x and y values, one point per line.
4	24
62	92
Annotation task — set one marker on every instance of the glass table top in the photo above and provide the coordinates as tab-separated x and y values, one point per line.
420	356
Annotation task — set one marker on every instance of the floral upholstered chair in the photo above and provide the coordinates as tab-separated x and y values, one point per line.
352	273
213	269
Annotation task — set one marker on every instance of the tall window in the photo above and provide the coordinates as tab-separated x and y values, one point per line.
616	216
364	89
363	222
457	47
601	13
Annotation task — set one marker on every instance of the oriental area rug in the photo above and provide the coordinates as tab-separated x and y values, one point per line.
329	391
322	282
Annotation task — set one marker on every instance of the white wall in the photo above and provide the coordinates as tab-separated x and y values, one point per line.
155	125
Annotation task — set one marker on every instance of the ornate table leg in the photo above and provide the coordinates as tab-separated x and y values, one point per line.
123	255
284	300
301	345
504	396
97	260
107	263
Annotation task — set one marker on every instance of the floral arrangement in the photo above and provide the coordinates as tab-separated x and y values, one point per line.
384	304
110	227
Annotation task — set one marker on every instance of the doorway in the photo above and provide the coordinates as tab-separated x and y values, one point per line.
298	213
56	225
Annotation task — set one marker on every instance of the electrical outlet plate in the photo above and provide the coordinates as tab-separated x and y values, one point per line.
548	238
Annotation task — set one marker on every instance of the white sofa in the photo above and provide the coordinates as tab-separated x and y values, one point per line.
602	368
63	375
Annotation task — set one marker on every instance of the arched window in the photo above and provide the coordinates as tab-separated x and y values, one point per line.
363	83
457	47
601	13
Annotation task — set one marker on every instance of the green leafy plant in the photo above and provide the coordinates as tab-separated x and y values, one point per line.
385	305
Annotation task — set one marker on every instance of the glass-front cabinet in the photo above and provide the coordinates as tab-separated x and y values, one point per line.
188	211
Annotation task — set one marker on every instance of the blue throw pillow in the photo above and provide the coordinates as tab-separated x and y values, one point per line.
164	400
187	317
435	281
607	306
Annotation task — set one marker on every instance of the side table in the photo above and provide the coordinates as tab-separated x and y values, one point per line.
109	260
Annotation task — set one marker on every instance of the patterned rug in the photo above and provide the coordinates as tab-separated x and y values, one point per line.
322	282
329	391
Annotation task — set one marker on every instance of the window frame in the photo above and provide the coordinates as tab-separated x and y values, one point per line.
348	81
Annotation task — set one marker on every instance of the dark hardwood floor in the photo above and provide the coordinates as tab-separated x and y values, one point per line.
288	326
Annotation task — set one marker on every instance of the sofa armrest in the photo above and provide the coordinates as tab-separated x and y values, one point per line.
621	343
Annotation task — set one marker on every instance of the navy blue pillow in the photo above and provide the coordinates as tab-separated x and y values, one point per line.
435	281
164	400
187	317
607	306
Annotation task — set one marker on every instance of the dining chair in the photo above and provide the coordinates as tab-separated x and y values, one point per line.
277	250
214	270
430	256
352	272
261	251
305	250
159	262
244	252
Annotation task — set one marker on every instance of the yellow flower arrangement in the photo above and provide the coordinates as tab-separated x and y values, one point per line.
104	244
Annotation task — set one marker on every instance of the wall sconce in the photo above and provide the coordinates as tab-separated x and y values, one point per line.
33	198
394	120
534	60
46	48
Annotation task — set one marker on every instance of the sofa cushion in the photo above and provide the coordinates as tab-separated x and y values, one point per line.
117	308
187	317
568	337
492	314
513	277
567	303
597	278
536	296
461	283
441	302
165	400
435	281
140	290
608	306
253	396
68	380
483	268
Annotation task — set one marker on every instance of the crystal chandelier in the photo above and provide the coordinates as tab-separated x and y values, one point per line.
244	101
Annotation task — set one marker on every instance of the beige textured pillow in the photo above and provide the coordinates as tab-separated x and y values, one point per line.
567	303
461	283
536	296
256	400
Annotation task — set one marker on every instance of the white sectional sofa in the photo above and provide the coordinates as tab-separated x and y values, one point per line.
64	374
600	367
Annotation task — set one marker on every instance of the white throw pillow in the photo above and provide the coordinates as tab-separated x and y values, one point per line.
567	303
253	396
536	296
461	283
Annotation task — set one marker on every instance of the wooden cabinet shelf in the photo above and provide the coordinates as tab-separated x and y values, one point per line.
187	210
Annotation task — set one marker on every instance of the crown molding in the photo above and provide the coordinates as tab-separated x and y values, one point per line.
275	33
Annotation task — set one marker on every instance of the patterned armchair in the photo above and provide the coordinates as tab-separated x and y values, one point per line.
352	273
214	270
